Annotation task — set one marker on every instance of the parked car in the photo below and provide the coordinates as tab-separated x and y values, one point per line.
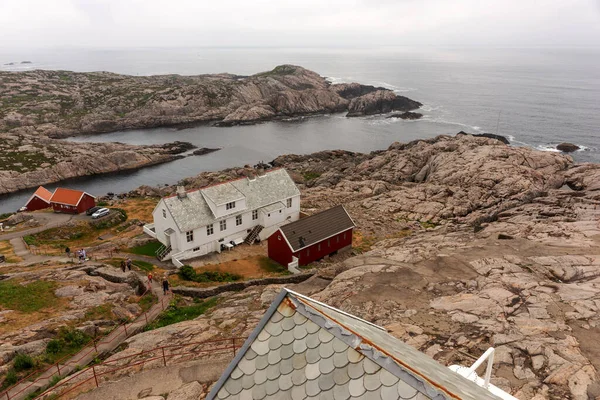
101	213
92	210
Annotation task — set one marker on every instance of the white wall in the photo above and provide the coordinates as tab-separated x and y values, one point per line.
162	224
240	205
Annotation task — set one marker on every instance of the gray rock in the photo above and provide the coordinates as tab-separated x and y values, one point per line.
190	391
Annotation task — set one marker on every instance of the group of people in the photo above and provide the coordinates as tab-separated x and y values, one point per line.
126	264
81	254
165	282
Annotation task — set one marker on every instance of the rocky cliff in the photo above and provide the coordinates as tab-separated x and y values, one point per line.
62	103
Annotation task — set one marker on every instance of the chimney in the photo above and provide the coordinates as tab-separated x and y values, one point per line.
181	193
250	175
301	241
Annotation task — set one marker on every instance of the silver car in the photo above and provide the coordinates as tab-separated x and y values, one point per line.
101	213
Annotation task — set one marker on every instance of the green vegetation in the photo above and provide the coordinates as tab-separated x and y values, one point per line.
309	176
103	311
5	216
147	301
268	265
117	216
68	341
177	313
10	379
427	224
148	249
30	240
143	265
22	161
27	298
189	274
23	362
102	204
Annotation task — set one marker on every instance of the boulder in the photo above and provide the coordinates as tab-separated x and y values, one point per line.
190	391
567	147
406	115
204	150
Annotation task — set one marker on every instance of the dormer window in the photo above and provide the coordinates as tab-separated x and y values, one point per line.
230	206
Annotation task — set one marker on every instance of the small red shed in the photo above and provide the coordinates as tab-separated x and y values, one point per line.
71	201
39	200
312	238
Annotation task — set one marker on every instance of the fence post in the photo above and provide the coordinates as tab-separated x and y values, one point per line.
95	347
125	326
164	358
146	315
95	377
58	368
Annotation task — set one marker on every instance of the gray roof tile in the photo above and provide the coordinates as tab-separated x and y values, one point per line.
298	377
372	382
299	346
355	371
299	361
286	366
262	362
326	381
274	357
287	351
326	365
247	382
312	371
298	391
326	350
259	392
342	390
340	360
370	366
288	324
312	387
357	387
193	211
260	376
340	376
285	382
312	355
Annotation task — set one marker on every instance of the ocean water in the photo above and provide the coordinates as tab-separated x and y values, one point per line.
535	97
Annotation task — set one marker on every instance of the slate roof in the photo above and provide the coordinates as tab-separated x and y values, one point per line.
317	227
193	212
223	193
303	349
41	193
68	196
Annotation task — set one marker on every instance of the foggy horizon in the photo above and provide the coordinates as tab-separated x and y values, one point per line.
114	24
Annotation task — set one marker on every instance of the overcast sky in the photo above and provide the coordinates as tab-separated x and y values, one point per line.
180	23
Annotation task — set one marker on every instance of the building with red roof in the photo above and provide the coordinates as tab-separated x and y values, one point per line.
39	200
71	201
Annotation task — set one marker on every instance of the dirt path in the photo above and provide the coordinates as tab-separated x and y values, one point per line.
90	352
48	220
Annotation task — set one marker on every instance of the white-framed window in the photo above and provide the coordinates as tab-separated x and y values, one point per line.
289	203
210	230
344	235
189	236
196	249
230	205
254	215
223	225
238	220
319	247
164	213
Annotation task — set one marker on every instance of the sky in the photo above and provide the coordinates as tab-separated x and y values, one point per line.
298	23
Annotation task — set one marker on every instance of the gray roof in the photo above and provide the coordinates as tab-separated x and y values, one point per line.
273	207
222	193
193	211
304	349
317	227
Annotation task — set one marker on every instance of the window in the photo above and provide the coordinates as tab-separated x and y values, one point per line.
337	239
196	249
164	213
254	215
189	236
307	252
230	206
209	230
344	235
328	242
289	203
238	220
223	225
319	247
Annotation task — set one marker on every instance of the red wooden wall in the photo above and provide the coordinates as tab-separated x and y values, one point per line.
36	204
280	251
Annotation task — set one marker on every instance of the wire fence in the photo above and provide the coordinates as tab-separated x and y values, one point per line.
68	363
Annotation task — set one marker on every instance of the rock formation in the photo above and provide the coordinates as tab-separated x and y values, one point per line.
567	147
62	103
406	115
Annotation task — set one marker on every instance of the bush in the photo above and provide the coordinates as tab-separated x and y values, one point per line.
10	378
175	313
189	274
30	240
67	340
54	346
23	362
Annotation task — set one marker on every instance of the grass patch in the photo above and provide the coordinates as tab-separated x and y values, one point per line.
309	176
10	379
148	249
8	252
268	265
5	216
103	311
68	341
116	217
23	362
147	301
30	240
143	265
27	298
176	313
427	224
188	273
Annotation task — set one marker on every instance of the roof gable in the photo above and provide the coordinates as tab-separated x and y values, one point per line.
303	347
68	196
192	211
317	227
41	193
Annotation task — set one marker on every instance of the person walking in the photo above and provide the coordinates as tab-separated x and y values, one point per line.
123	265
68	251
83	255
165	284
150	278
129	263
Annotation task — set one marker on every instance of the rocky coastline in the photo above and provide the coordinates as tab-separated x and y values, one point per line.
40	107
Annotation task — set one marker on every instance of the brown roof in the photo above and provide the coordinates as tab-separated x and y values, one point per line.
43	194
310	230
67	196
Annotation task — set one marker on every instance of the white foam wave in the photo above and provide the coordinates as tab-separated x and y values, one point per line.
546	147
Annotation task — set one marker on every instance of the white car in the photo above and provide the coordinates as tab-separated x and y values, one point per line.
101	213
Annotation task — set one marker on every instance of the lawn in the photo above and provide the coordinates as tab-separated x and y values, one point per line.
177	313
270	266
143	265
27	298
148	249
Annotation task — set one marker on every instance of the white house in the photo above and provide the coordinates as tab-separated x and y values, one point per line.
193	223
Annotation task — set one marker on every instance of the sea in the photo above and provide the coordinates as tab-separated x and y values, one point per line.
536	97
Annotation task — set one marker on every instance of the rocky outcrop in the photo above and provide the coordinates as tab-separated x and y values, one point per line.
204	150
407	115
567	147
29	160
62	103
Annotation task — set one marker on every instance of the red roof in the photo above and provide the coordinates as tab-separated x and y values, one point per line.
43	194
67	196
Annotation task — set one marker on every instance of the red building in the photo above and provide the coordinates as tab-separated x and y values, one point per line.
39	200
71	201
312	238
